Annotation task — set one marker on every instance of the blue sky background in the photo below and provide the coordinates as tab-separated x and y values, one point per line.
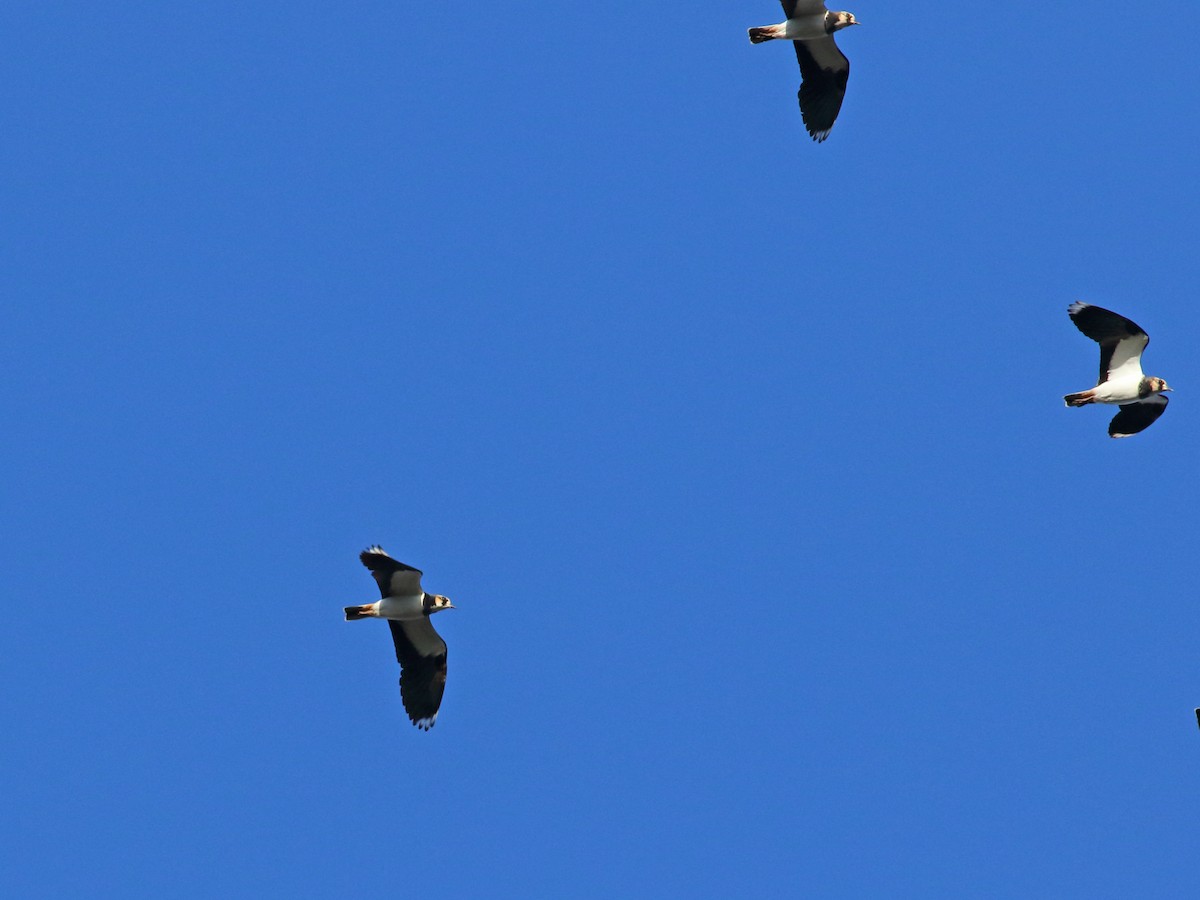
781	567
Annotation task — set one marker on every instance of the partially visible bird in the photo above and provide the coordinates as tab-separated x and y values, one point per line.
1121	380
419	649
824	69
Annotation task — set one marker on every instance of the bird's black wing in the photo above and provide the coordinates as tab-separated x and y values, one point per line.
1135	417
395	579
1120	339
421	653
825	71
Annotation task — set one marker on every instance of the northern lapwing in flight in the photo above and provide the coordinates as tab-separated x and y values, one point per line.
824	69
1121	380
420	650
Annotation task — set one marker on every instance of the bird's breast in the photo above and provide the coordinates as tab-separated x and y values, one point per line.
1123	390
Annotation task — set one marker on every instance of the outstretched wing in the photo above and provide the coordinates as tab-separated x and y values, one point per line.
1121	340
825	71
1135	417
395	579
421	653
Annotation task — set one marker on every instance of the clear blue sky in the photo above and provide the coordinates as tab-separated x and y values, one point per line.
782	569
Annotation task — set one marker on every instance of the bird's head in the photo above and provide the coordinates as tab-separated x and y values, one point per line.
1160	386
439	603
839	20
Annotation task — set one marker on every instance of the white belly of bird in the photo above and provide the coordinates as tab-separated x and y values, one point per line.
1124	390
401	608
805	28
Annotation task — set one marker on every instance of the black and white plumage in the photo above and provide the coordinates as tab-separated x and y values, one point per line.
824	69
1121	380
420	650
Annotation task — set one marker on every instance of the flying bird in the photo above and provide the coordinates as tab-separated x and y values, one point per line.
824	69
420	650
1121	380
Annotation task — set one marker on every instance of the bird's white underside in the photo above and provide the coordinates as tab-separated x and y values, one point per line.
806	28
1123	390
402	609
